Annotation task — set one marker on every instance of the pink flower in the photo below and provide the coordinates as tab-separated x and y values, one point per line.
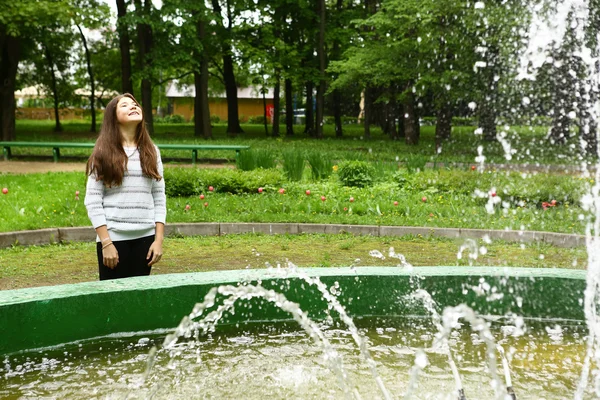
493	194
282	190
431	214
206	204
472	168
323	198
187	207
4	190
351	199
77	193
424	199
260	190
396	203
345	208
201	197
308	192
210	188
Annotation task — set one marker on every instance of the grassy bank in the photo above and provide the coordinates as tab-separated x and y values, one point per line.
57	264
436	198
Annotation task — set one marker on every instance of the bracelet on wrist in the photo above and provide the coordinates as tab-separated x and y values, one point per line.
106	245
105	239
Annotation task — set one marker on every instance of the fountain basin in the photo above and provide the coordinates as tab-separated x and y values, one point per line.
46	316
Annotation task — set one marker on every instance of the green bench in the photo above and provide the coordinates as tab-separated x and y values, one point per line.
56	146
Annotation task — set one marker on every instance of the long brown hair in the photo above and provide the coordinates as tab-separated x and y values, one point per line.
108	160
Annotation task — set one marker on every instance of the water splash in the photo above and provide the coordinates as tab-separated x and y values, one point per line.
188	327
334	303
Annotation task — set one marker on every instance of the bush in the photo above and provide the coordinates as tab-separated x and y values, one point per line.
321	164
174	119
356	173
293	164
186	182
227	180
257	119
182	182
251	159
214	119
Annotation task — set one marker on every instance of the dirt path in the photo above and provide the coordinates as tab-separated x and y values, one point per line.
26	167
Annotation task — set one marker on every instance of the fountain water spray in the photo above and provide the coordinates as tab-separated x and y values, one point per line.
509	389
335	304
188	326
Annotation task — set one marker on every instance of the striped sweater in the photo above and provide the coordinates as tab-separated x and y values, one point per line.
131	210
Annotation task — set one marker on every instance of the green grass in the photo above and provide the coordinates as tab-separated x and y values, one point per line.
37	201
462	148
69	263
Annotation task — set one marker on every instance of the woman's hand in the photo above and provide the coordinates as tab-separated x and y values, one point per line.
110	256
154	253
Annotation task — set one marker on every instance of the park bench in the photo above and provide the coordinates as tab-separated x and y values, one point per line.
56	146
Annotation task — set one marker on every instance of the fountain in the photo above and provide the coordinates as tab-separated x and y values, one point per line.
406	332
54	345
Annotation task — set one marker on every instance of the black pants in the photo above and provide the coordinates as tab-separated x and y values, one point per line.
132	259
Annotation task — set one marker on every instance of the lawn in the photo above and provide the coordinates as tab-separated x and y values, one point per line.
365	182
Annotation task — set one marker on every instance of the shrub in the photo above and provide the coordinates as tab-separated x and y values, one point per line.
185	182
251	159
181	182
227	180
293	164
214	119
174	119
320	164
415	163
356	173
257	119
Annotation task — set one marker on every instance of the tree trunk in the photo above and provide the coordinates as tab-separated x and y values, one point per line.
233	120
92	83
289	108
308	111
392	115
411	130
144	31
10	52
488	109
54	85
276	103
443	126
322	65
124	46
367	110
202	126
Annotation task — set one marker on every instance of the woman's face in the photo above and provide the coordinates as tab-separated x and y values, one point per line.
128	112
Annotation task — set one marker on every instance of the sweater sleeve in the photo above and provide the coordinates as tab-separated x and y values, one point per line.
94	201
158	192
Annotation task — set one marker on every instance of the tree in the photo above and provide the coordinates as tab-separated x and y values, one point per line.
90	14
124	45
19	20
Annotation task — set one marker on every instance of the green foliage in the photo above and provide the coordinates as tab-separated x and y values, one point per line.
182	182
257	119
185	182
174	119
321	164
256	158
215	119
415	162
234	181
356	173
293	164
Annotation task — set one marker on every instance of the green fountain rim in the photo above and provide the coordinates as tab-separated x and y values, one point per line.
15	296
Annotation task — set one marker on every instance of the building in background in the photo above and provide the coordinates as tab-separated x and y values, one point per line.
250	102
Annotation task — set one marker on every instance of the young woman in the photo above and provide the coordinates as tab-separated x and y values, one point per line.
125	194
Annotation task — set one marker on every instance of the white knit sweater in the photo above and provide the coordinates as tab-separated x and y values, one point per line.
131	210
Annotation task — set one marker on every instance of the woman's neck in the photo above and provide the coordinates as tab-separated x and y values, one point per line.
128	136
